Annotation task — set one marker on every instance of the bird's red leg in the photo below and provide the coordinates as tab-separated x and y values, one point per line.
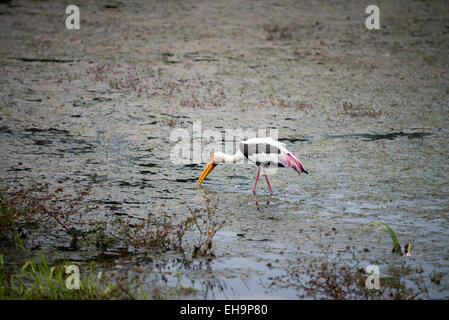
255	181
268	182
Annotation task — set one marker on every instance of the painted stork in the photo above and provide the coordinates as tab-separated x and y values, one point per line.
264	152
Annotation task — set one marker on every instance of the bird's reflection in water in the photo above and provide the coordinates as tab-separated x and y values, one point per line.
261	204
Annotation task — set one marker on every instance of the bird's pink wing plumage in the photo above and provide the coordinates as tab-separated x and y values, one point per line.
287	159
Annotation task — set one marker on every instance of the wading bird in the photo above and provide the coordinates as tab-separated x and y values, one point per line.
264	152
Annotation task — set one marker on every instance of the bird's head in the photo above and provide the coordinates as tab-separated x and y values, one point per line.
211	164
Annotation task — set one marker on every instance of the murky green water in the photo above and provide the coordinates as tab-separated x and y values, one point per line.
105	120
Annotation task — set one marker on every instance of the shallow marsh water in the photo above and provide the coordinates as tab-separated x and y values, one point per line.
365	111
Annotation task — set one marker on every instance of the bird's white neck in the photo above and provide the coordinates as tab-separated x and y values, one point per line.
220	157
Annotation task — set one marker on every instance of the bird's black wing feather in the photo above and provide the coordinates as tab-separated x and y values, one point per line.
251	150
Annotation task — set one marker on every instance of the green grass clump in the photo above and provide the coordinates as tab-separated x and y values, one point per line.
8	221
378	225
39	280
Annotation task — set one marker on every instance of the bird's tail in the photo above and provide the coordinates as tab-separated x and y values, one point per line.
289	160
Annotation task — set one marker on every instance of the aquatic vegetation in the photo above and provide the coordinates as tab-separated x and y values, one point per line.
298	105
193	102
36	207
169	292
8	227
126	84
383	226
275	32
41	280
153	232
207	226
169	122
347	108
169	232
341	281
205	97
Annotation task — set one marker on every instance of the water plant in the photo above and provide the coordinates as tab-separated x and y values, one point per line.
341	280
37	207
347	108
27	213
8	216
379	225
276	32
32	210
41	280
207	226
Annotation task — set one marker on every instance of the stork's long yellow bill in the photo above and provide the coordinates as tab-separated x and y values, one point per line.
207	169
